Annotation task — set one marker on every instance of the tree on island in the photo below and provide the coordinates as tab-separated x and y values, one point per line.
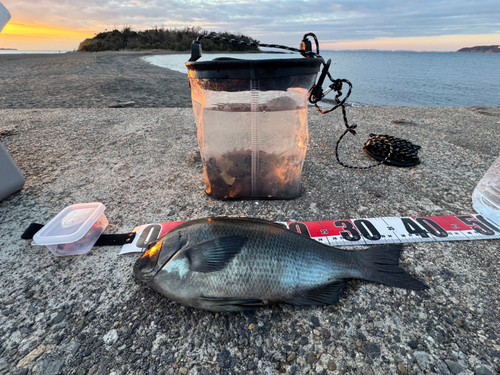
161	38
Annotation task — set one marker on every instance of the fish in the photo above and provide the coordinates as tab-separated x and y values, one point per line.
237	264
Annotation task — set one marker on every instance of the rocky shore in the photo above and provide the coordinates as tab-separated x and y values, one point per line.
88	80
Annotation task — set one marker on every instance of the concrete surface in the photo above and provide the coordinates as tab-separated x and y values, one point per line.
88	315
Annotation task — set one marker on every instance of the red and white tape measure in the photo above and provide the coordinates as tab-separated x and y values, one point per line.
369	231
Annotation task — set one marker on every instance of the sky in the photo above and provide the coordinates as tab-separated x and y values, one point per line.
423	25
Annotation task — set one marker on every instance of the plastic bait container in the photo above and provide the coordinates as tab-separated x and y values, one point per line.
74	230
251	117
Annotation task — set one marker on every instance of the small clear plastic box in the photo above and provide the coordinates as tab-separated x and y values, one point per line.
74	230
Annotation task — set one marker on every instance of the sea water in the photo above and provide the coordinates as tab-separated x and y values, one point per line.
384	78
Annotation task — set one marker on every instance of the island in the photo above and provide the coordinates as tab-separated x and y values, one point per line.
481	49
164	39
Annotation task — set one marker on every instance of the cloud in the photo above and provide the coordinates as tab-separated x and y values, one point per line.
272	21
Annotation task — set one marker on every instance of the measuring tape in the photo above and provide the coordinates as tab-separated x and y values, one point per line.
363	231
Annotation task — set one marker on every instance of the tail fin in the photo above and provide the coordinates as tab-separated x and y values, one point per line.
381	264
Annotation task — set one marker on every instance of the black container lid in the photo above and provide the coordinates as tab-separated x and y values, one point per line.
230	68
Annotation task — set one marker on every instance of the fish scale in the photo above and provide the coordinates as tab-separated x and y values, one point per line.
225	264
275	271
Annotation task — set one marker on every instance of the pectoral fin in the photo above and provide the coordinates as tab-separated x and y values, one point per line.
213	255
324	295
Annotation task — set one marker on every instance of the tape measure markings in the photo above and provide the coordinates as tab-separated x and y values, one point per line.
361	231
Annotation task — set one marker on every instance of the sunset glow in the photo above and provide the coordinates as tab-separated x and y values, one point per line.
428	25
30	36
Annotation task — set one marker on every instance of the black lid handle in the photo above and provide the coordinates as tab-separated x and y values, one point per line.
195	50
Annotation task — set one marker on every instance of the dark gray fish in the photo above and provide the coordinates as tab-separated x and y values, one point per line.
231	264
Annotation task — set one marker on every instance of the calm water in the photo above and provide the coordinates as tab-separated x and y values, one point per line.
399	78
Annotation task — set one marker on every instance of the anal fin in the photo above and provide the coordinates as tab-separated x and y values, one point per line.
324	295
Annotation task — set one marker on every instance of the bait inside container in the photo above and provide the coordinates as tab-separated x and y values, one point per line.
252	124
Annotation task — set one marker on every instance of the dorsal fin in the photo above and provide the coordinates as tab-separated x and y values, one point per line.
250	220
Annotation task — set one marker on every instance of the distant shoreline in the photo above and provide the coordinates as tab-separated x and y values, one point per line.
481	49
168	52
